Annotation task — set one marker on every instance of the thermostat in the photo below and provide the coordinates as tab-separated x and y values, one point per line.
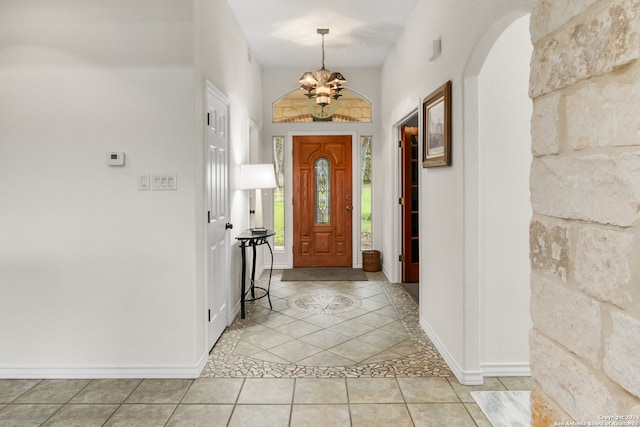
115	158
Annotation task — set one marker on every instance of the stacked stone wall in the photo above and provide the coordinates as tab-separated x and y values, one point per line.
585	193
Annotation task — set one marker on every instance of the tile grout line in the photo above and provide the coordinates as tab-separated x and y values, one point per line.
123	402
184	393
293	394
40	380
470	414
235	403
404	400
65	403
346	386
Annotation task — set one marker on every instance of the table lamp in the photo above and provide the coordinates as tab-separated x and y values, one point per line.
257	176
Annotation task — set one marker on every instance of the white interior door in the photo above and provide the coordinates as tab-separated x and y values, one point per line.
217	152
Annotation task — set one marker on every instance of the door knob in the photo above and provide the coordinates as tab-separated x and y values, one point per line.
228	226
348	208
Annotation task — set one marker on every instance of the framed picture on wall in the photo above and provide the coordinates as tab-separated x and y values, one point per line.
436	135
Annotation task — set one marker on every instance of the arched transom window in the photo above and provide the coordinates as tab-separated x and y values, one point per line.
295	107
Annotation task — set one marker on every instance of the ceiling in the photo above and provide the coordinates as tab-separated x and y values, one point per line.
282	33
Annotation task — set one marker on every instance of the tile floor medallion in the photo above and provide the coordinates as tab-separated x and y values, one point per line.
327	330
323	303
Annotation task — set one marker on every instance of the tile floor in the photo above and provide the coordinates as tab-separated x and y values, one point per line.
325	356
246	402
328	330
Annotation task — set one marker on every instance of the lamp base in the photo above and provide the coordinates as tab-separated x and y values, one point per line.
259	230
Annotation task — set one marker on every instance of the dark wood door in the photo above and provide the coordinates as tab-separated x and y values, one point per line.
322	201
410	217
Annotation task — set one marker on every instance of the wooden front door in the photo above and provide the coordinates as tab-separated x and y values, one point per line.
322	201
410	230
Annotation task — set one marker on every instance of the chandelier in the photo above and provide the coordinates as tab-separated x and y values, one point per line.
322	85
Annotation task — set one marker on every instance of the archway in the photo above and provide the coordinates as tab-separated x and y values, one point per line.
496	83
505	206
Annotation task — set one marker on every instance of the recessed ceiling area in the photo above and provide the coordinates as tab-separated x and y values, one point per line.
282	33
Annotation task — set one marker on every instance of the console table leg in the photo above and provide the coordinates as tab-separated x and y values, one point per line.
243	278
253	273
270	273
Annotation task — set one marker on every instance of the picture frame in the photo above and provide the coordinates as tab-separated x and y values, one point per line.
436	124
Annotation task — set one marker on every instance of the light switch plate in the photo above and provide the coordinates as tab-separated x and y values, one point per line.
143	182
167	181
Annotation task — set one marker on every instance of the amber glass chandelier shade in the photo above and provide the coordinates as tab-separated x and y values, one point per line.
308	80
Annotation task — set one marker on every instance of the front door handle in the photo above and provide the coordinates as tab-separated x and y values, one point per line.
348	208
228	226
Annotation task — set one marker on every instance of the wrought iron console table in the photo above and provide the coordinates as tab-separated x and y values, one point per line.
252	239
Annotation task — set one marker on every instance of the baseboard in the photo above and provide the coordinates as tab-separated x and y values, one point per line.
234	312
464	377
90	373
506	369
204	358
386	272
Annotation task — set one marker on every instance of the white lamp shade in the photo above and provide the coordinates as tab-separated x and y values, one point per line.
258	175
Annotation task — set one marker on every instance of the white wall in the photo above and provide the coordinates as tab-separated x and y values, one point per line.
95	273
449	308
96	277
505	208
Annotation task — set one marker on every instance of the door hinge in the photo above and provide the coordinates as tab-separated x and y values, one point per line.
208	119
209	314
208	217
401	258
401	201
400	144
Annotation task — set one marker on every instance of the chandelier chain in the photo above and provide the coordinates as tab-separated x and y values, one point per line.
323	51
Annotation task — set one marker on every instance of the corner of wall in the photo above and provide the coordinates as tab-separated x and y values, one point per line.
465	377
